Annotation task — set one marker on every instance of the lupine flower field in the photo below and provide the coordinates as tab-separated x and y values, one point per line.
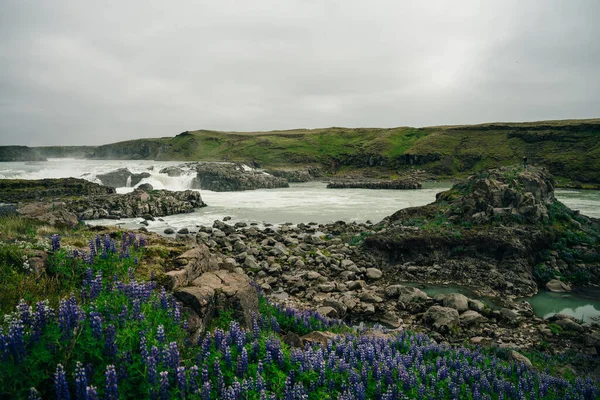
117	337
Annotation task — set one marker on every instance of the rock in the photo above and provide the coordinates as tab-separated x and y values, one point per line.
569	325
8	209
470	318
293	340
183	231
374	273
510	317
518	357
327	311
326	287
557	286
169	231
370	297
146	187
411	298
38	190
234	177
398	184
391	320
356	285
318	337
442	319
476	305
226	290
457	301
148	217
55	214
339	306
171	171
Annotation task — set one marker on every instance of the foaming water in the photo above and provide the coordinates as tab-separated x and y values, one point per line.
303	202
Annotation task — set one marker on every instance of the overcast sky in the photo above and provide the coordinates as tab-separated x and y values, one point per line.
94	72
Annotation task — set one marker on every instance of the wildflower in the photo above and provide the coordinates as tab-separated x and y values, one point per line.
110	341
34	394
164	385
55	242
112	391
81	382
91	393
60	384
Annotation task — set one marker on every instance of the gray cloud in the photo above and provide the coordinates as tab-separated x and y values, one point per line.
97	72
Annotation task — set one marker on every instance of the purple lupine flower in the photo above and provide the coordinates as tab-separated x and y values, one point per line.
15	340
176	313
173	355
25	312
96	325
110	341
205	377
160	334
60	384
91	393
227	356
96	286
164	385
193	387
93	250
68	316
219	375
242	364
151	361
142	241
205	394
34	394
55	242
181	381
40	318
163	299
81	381
112	391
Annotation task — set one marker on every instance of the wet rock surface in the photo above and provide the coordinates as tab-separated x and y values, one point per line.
235	177
68	200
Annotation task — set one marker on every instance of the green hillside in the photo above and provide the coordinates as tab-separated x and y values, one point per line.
570	148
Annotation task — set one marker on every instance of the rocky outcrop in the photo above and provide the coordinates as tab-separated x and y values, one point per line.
23	190
297	175
138	203
121	177
491	231
504	193
65	201
235	177
221	290
54	213
398	184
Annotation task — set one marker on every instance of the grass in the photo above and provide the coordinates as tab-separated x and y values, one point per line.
113	335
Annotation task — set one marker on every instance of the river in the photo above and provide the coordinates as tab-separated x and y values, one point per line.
301	202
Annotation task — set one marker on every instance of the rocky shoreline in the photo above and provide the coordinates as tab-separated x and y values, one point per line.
67	201
397	184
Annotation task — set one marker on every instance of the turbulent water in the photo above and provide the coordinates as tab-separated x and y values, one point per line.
303	202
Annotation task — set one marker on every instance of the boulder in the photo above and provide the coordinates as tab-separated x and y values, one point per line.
558	286
318	337
442	319
520	358
470	318
458	301
223	290
235	177
374	273
55	214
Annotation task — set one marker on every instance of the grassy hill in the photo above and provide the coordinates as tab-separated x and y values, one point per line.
569	148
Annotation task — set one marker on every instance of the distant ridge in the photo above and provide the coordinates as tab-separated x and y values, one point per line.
569	148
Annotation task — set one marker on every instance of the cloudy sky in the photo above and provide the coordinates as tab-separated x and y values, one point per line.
93	72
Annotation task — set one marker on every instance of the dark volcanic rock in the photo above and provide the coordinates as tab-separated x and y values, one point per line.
120	178
23	190
488	231
234	177
398	184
